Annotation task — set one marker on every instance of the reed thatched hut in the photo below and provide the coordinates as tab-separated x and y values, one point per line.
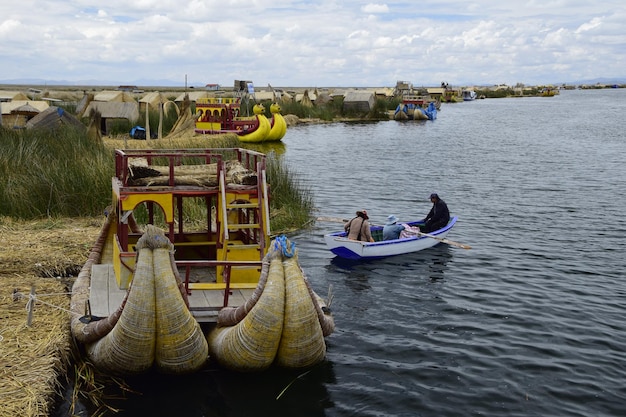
360	101
52	118
111	112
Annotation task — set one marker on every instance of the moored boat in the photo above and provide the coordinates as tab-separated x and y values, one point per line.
141	297
218	115
278	125
468	95
343	247
415	108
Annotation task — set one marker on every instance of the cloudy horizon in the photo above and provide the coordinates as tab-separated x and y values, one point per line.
306	43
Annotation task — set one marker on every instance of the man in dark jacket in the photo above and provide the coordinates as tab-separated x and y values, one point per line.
438	216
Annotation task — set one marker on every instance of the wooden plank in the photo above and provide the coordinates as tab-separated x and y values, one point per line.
99	291
221	286
197	299
116	296
214	298
236	299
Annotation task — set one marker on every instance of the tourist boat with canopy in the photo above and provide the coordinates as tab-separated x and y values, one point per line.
219	115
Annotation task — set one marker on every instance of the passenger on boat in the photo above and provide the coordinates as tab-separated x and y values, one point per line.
438	216
358	228
392	229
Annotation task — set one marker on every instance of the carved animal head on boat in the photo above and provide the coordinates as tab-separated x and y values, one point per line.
275	108
258	109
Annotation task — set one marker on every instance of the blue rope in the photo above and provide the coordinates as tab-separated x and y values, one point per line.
287	248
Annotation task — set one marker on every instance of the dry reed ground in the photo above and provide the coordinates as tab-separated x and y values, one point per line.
34	359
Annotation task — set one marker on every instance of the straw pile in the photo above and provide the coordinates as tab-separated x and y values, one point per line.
198	175
35	359
284	323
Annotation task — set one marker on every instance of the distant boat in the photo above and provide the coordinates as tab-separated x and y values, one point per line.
218	115
548	92
468	95
415	108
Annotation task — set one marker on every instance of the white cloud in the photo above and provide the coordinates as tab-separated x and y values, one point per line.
375	8
304	43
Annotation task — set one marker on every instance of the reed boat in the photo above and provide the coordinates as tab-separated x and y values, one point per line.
415	108
218	115
278	125
159	293
343	247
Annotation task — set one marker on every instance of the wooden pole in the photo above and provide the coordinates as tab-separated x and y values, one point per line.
31	306
160	132
147	121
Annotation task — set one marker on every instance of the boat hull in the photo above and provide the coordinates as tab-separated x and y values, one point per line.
339	245
259	134
278	127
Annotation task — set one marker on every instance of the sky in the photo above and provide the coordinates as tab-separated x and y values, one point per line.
326	43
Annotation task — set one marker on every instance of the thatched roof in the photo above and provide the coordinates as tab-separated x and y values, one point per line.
306	98
35	106
263	96
153	98
25	109
362	96
53	117
12	95
116	96
359	100
193	96
115	110
83	103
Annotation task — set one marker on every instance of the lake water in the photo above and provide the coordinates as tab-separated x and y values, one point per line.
529	322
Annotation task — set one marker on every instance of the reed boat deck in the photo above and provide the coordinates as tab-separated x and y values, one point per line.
105	296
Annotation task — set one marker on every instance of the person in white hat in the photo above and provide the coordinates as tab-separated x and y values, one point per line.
392	229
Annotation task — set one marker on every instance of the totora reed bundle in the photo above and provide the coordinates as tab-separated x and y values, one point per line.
180	343
302	343
155	326
284	323
251	345
129	347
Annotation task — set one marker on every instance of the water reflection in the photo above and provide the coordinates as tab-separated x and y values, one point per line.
278	147
276	392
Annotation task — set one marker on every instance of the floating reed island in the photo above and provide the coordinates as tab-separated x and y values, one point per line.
35	341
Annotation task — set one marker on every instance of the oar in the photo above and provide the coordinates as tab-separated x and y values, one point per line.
442	240
332	219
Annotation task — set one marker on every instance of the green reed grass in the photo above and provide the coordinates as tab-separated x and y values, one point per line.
62	173
57	172
291	202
